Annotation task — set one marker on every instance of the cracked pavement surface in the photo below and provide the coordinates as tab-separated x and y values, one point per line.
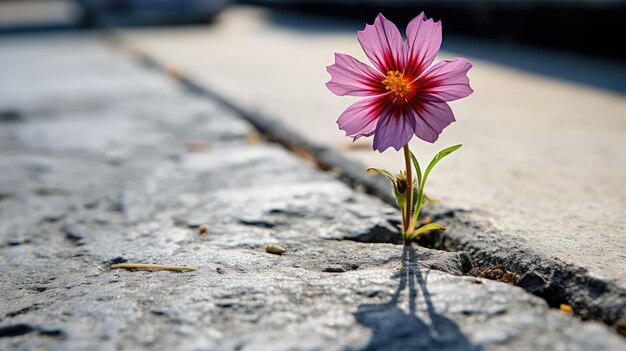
103	161
543	159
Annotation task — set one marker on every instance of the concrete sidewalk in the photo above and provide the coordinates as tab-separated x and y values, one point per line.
543	160
103	161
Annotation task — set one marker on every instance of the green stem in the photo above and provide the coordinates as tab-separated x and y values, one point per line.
416	215
409	191
418	206
404	220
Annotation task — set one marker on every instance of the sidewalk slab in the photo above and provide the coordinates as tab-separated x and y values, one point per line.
543	159
85	186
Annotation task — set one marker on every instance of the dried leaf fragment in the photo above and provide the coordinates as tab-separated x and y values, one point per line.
152	266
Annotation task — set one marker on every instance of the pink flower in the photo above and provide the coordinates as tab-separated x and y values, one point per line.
403	96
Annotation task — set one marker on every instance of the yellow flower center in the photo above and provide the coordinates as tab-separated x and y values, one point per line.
396	83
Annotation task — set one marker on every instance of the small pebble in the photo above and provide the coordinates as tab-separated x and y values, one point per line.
275	249
197	146
175	72
566	308
115	158
253	138
202	228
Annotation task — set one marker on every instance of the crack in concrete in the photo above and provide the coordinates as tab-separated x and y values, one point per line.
591	298
14	330
241	294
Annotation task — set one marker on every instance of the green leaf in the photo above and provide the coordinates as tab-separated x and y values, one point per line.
387	174
418	170
400	198
425	228
443	153
430	200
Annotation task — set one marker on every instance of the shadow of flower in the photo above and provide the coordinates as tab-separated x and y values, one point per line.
396	329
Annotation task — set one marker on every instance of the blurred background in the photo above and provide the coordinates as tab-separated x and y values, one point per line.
544	133
588	27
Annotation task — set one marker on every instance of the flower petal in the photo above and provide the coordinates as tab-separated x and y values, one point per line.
447	80
431	117
423	43
394	128
383	45
349	76
360	118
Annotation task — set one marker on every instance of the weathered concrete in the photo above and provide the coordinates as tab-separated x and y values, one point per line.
575	265
97	167
543	160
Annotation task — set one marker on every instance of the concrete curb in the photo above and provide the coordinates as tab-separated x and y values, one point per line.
559	282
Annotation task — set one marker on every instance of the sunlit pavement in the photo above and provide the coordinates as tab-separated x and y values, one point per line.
543	159
97	170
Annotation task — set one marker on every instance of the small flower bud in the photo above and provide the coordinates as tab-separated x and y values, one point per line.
401	182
